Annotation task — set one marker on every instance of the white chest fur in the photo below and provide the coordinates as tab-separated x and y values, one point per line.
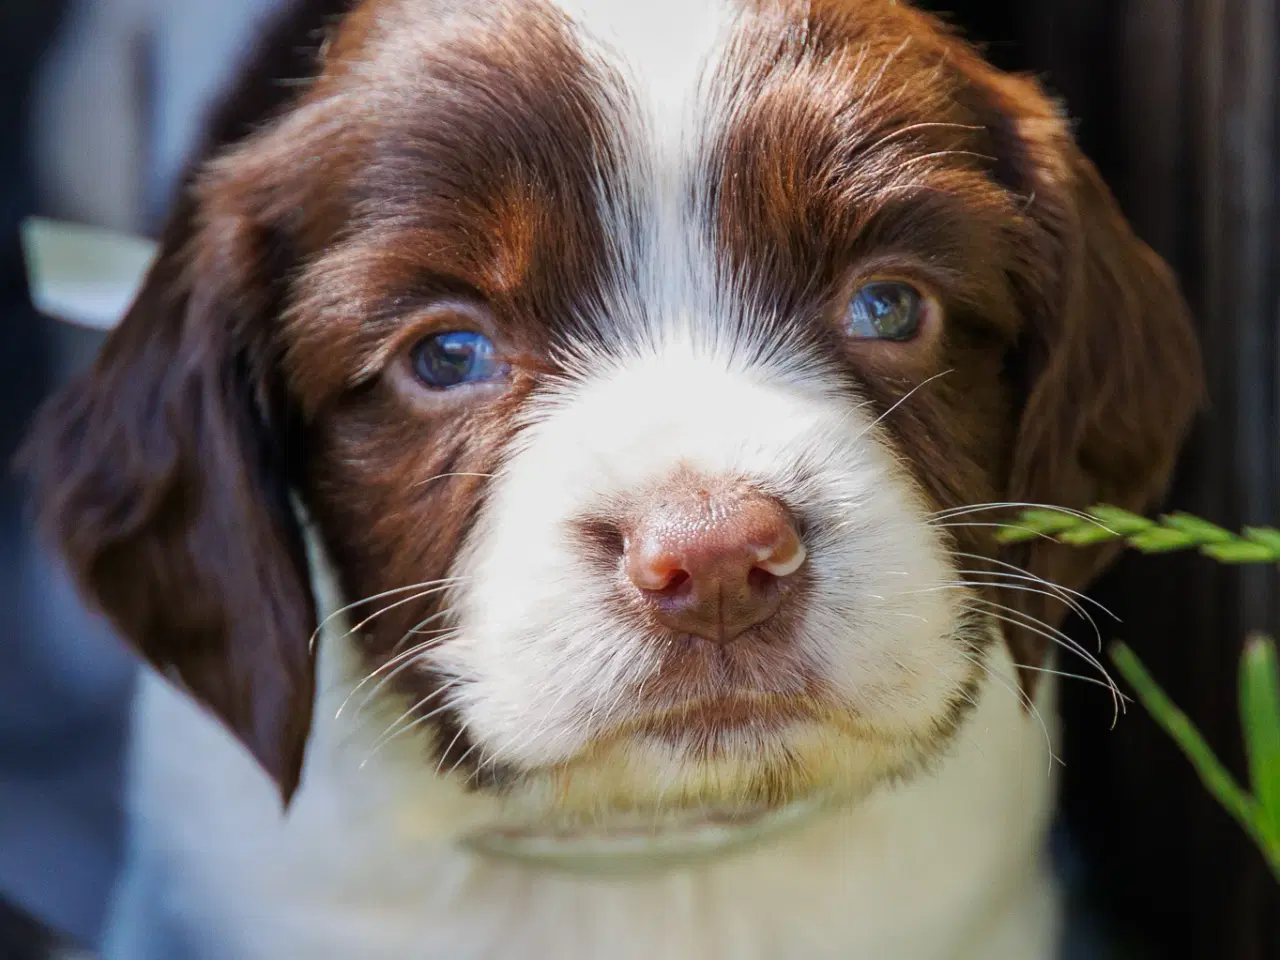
950	865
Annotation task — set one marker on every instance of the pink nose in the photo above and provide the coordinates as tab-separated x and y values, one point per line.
713	564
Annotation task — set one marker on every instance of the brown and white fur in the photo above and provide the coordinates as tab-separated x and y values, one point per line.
657	213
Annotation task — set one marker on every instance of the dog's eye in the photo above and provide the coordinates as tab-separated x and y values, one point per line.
886	310
451	359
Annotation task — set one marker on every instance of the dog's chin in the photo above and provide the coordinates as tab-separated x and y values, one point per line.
653	794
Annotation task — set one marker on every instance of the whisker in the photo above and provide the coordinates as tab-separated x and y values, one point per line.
969	698
1003	585
569	684
1023	699
900	401
1094	681
1083	597
462	726
457	473
621	692
435	616
377	596
1033	623
607	681
970	585
399	603
1065	599
1002	526
1027	622
417	630
391	733
403	660
1011	504
462	759
897	662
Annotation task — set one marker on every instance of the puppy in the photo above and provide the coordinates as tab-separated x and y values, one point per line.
546	467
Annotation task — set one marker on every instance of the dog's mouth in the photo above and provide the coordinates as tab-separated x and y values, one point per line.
705	726
636	844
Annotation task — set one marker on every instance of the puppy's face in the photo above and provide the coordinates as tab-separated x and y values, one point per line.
630	374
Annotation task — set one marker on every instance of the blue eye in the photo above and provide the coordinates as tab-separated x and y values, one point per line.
884	311
452	359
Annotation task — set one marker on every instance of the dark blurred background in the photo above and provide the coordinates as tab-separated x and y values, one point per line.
1177	101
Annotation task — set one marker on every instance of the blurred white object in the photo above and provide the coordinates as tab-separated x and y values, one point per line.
83	275
123	96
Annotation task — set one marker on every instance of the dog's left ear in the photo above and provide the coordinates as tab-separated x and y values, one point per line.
164	474
1108	365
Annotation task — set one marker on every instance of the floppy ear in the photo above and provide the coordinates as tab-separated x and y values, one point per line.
163	474
1108	365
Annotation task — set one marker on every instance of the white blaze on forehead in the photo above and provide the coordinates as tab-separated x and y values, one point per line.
661	54
662	47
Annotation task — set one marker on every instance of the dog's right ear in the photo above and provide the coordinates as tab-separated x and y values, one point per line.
163	475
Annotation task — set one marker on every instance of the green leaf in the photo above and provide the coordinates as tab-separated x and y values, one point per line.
1161	540
1036	523
1088	533
1176	531
1240	551
1202	531
1121	521
1267	536
1047	521
1017	534
1260	717
1216	778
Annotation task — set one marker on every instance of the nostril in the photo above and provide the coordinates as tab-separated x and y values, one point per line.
671	585
760	581
652	569
679	584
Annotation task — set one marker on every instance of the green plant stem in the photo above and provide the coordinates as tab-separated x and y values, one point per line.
1216	778
1175	531
1260	719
